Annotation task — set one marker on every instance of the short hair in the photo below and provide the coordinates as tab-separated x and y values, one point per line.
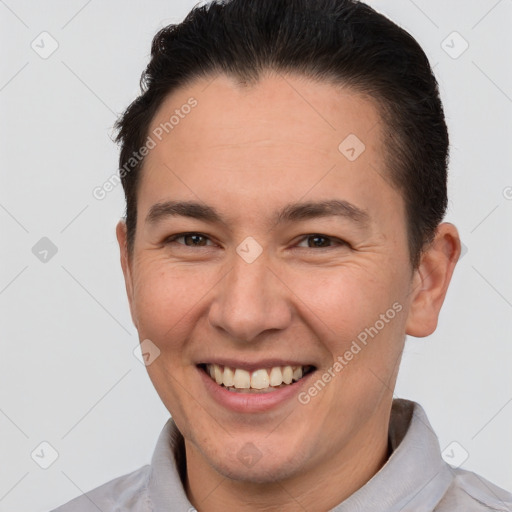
343	42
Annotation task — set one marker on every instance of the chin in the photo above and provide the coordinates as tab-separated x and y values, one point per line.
247	464
258	474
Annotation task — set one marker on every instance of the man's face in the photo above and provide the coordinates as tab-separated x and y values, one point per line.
322	288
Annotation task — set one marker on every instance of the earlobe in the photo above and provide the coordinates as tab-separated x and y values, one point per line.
121	234
431	281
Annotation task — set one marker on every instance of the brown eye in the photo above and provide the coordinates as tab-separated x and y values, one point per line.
318	241
189	239
194	240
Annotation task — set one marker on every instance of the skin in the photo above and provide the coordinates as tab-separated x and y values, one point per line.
248	151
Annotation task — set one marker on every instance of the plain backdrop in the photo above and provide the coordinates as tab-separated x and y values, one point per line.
68	373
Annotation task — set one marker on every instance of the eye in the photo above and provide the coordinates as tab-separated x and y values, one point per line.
189	240
318	241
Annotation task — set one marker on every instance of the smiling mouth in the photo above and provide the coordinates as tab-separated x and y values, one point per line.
263	380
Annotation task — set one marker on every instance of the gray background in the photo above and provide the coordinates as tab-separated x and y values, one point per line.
68	375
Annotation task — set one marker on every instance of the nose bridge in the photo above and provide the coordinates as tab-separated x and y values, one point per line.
250	300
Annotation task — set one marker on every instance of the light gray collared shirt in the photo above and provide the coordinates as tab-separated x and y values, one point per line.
415	478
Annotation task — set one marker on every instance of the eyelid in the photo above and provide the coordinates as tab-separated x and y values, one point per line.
173	238
338	242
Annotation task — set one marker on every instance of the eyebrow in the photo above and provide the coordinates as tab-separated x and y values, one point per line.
290	213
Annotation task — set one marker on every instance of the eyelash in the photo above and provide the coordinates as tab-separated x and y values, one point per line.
337	241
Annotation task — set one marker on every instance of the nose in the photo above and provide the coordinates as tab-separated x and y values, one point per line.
250	301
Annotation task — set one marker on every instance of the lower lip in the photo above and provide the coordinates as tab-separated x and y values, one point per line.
252	402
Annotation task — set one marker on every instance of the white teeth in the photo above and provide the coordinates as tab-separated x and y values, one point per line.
276	376
218	374
261	379
228	379
242	379
287	374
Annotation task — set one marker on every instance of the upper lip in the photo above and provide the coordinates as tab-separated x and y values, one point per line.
251	366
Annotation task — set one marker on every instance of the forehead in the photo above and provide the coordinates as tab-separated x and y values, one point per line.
316	114
284	137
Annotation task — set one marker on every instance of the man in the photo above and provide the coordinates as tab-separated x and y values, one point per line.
285	179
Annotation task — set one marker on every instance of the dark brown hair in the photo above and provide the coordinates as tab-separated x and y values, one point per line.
338	41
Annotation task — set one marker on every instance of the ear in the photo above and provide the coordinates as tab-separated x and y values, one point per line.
121	234
431	279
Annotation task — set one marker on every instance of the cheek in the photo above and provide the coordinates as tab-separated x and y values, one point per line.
165	297
346	299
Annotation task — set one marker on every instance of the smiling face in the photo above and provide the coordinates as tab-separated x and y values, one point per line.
294	250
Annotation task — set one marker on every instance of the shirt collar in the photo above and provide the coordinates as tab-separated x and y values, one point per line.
165	486
414	478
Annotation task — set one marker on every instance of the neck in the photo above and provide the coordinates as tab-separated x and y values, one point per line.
320	487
